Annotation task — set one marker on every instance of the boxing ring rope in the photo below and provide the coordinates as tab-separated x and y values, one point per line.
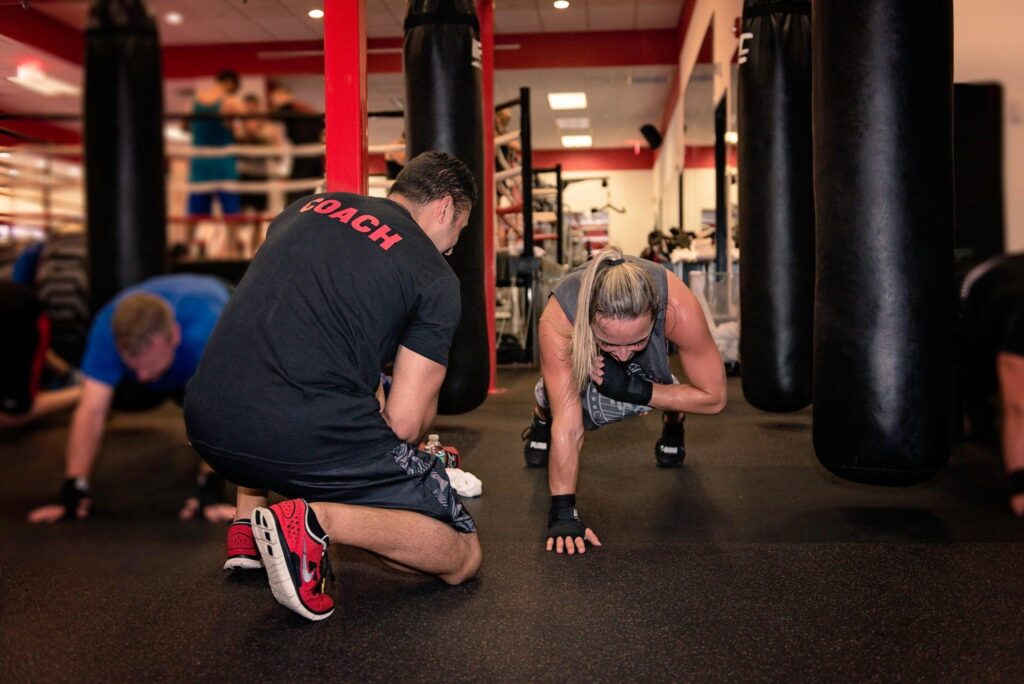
25	176
218	236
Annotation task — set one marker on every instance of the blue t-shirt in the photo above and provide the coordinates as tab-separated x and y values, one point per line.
211	133
196	301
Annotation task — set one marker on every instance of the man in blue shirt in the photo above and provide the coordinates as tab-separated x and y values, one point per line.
143	348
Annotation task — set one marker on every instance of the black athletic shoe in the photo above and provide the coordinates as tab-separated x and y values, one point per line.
670	450
537	443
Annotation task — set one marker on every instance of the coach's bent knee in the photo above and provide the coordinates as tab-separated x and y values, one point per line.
472	557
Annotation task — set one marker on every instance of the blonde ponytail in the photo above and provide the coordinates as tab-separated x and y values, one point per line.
613	288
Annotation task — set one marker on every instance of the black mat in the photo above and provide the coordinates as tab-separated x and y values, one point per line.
750	563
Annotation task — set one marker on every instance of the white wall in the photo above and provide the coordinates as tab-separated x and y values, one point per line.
720	14
666	172
630	190
987	47
698	195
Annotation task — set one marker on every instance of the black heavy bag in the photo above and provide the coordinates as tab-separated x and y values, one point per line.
124	148
443	111
883	190
776	205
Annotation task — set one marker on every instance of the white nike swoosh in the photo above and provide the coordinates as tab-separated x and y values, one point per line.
307	576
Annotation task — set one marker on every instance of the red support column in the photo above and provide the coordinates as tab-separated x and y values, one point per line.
345	94
485	13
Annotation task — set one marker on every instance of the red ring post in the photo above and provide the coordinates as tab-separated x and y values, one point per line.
345	95
485	14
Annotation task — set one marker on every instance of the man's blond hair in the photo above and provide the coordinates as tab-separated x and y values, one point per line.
137	319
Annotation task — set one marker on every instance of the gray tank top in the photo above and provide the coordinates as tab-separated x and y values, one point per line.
651	363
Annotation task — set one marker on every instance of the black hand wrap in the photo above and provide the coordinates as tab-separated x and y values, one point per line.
71	494
619	385
563	520
209	490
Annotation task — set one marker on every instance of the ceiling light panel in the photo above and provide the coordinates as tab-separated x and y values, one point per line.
573	123
577	141
567	101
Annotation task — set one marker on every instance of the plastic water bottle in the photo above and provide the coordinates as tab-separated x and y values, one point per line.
435	448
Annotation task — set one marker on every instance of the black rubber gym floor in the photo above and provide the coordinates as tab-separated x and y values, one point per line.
750	563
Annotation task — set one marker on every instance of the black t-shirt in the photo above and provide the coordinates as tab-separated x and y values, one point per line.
290	371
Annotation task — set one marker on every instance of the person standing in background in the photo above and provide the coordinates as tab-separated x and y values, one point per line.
254	168
300	130
208	130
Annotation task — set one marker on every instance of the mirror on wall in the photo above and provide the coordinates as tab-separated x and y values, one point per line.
697	196
706	251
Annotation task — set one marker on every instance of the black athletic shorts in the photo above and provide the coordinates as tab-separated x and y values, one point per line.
1013	334
257	201
404	479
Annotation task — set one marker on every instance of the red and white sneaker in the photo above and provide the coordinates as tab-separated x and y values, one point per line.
242	551
295	557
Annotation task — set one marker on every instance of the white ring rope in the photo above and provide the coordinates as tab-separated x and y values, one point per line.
506	137
379	182
384	149
30	179
193	151
48	149
508	173
178	150
249	186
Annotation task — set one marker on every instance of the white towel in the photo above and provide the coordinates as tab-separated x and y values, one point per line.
466	484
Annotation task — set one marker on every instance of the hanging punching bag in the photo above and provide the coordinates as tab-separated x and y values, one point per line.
443	111
124	148
883	190
776	211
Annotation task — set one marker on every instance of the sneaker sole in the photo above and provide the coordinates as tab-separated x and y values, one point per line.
541	462
663	460
273	551
243	563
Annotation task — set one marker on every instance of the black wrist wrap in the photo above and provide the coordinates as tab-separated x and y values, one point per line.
209	490
563	519
72	492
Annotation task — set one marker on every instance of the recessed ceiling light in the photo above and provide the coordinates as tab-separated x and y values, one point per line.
577	141
559	101
30	75
573	122
174	18
561	4
316	14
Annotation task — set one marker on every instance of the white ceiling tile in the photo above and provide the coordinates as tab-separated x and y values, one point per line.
519	20
612	18
384	18
658	14
572	19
